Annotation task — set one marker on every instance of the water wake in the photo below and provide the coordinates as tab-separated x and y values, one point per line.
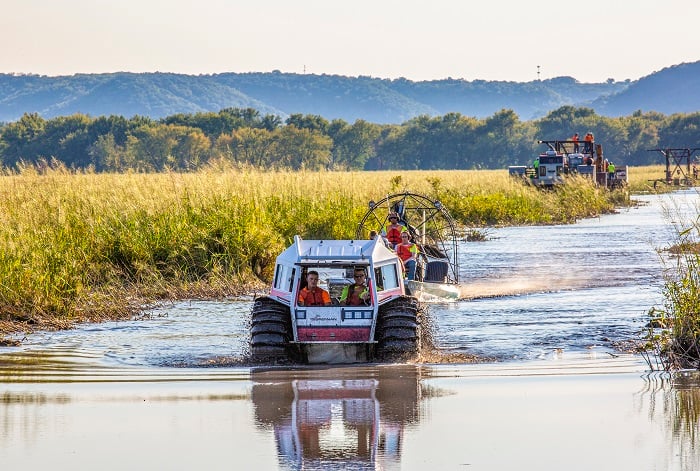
520	285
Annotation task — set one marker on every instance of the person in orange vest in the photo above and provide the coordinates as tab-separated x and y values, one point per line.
588	146
575	139
392	231
356	294
408	253
312	294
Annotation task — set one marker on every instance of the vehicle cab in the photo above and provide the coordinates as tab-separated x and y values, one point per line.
336	262
551	168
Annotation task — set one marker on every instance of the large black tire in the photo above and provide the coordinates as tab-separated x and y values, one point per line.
398	329
270	331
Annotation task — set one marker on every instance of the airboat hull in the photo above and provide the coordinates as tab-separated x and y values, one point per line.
435	292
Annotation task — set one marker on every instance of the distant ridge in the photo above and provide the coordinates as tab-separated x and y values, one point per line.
674	89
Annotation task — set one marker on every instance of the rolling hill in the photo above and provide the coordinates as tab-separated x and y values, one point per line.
390	101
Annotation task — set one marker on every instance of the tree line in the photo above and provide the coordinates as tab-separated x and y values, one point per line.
186	142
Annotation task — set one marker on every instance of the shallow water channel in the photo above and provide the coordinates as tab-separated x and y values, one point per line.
550	308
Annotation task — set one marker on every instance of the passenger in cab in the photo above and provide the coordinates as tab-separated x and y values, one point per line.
408	253
312	294
356	294
392	231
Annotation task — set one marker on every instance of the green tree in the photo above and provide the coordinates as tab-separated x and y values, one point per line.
301	149
192	148
20	139
354	145
563	122
251	146
152	147
681	131
67	138
312	122
270	122
108	156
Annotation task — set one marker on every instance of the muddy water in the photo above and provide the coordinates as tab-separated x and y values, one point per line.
549	306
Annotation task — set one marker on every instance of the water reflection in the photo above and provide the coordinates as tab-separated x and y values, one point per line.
546	415
686	405
674	401
349	417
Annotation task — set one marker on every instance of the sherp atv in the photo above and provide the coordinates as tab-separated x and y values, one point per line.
386	326
389	324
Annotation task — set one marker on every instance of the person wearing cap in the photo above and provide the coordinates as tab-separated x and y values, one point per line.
393	230
312	294
588	143
356	294
408	253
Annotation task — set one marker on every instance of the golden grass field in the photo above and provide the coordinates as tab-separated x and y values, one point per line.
90	246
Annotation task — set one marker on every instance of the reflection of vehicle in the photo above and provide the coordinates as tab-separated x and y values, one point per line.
385	325
433	230
564	158
338	418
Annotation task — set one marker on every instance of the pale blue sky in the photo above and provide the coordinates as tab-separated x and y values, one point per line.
420	40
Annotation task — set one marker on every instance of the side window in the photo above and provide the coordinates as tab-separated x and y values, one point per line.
290	280
387	278
379	280
284	278
278	274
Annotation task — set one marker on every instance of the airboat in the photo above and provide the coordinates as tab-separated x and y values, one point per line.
433	230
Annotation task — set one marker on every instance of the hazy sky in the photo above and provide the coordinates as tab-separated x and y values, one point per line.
421	40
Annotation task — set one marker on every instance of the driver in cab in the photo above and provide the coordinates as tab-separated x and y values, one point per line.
312	294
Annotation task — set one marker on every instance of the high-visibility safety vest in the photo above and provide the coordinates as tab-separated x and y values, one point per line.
352	296
406	251
315	297
392	232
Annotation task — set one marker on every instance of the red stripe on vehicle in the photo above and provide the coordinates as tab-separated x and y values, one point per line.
333	334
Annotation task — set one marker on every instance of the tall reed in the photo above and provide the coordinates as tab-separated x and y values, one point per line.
76	246
674	329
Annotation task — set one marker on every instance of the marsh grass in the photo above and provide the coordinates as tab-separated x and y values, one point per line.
76	246
674	330
673	333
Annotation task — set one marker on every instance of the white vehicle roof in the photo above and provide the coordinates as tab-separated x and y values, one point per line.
328	251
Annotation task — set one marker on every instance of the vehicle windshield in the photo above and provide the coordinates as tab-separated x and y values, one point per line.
332	278
327	275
